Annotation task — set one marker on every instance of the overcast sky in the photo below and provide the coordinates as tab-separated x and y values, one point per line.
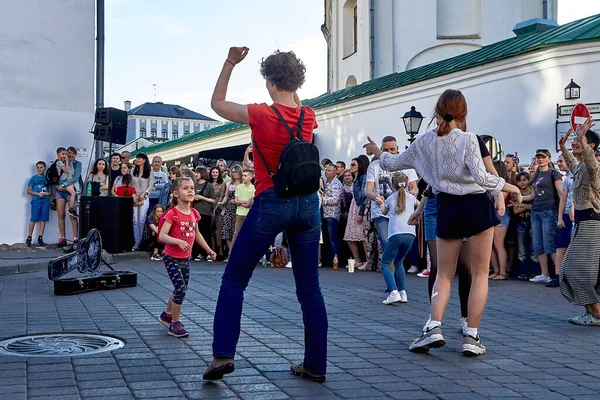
180	46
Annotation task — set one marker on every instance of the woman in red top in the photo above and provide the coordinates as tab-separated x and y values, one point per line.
178	233
270	215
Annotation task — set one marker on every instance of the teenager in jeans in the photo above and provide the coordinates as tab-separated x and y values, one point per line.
269	215
547	186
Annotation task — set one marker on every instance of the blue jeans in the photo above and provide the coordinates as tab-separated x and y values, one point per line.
270	215
524	242
382	224
396	249
543	231
332	225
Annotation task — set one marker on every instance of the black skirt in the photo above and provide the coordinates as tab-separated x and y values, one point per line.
464	216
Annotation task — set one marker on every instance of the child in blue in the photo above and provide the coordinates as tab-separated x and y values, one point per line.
39	190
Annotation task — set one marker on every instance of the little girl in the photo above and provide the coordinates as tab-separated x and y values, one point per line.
152	224
178	233
126	190
400	237
125	170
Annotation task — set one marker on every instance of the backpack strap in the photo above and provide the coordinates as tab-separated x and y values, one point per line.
290	131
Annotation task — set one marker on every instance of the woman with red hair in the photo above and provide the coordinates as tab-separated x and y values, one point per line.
449	159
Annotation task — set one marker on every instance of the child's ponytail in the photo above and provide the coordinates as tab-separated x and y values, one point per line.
399	182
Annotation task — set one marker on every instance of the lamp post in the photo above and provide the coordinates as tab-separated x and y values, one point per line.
572	91
412	122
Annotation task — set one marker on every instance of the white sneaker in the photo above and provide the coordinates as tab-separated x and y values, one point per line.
393	297
288	265
413	270
209	259
463	326
403	297
540	278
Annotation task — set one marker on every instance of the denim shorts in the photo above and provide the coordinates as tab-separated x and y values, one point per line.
62	195
504	220
430	218
544	230
564	234
40	210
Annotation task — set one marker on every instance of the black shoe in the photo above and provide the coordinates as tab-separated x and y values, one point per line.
28	241
554	282
73	213
41	241
217	368
299	370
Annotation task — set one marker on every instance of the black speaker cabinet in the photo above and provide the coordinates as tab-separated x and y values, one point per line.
111	125
112	216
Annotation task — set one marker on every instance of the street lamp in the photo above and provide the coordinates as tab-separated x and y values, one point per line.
572	91
412	122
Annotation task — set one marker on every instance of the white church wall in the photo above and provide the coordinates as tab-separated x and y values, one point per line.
46	96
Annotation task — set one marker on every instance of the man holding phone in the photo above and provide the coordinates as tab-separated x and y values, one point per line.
512	167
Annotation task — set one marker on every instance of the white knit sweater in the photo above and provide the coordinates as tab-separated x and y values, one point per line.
450	164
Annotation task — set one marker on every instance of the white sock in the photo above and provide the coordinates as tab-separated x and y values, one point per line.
434	324
472	332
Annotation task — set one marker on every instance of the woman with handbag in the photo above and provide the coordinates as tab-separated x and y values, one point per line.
143	182
98	179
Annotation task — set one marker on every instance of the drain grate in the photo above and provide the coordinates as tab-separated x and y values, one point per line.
59	345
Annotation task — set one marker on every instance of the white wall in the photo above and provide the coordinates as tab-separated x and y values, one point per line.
409	34
46	96
513	100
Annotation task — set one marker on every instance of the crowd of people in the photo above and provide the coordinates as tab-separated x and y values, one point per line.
440	208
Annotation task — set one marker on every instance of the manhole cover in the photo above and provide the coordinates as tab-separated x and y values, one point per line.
59	345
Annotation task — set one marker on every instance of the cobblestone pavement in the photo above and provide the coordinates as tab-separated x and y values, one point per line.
532	351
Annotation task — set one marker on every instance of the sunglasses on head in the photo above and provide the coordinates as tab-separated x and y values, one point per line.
542	151
510	155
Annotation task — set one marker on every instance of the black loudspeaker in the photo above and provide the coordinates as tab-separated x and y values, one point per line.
111	125
113	217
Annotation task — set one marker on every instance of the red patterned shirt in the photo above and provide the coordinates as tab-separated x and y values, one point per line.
183	226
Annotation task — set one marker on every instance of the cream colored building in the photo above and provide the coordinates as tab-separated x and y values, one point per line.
368	39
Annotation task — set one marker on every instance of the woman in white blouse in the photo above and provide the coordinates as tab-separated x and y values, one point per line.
143	182
449	159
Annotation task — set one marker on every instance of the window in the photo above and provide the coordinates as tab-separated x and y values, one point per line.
186	132
350	28
175	134
153	132
165	134
142	132
206	127
351	81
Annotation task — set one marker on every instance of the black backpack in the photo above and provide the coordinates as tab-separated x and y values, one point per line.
52	175
299	170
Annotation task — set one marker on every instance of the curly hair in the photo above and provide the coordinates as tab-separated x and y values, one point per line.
283	69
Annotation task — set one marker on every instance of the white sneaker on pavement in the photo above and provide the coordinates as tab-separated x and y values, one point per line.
288	265
540	278
393	297
403	297
413	270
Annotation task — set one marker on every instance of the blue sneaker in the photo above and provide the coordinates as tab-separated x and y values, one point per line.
165	319
554	282
176	329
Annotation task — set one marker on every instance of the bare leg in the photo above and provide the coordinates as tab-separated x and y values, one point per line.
480	247
71	191
595	309
495	264
170	305
499	236
41	228
543	260
60	210
75	226
448	250
175	312
560	254
354	249
31	228
554	260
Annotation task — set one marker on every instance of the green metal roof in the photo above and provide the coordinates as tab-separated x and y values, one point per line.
584	30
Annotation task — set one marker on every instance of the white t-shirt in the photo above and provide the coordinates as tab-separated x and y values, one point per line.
399	222
383	184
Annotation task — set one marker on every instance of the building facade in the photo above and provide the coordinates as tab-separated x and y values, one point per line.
164	121
45	102
515	91
368	39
